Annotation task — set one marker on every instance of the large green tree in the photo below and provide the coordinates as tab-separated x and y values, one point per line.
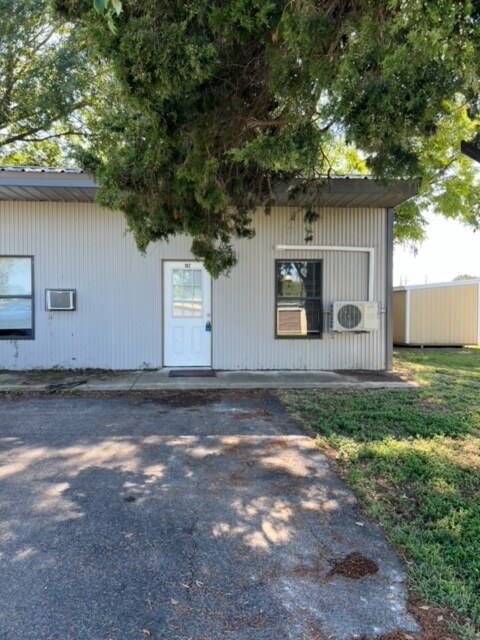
51	86
219	100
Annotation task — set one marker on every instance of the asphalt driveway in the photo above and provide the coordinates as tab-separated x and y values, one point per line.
182	516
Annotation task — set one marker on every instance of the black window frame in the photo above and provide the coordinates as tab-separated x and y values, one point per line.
311	336
12	335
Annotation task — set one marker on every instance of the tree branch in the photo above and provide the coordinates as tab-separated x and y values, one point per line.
253	123
22	137
441	172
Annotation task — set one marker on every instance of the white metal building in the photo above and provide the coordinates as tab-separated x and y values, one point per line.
76	293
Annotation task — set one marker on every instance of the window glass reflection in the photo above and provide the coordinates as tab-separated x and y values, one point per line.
15	276
15	313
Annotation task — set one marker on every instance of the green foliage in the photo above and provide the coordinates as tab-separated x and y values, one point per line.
108	9
464	276
46	87
46	153
409	223
413	457
218	101
342	158
32	64
450	180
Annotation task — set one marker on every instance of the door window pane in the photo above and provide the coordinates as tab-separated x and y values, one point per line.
187	276
187	298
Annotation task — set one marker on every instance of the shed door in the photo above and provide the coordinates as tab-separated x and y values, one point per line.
187	313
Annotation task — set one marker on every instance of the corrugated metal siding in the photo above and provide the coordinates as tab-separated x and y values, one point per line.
118	323
444	315
244	303
399	317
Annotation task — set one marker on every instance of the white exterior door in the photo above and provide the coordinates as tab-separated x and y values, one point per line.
187	315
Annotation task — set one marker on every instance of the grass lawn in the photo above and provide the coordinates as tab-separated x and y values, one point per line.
413	459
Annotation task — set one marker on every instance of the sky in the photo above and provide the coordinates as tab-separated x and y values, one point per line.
451	249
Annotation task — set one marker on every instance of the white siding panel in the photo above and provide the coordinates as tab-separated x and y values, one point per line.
117	324
244	303
118	321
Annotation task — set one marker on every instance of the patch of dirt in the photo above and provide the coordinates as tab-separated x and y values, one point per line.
251	415
315	632
182	399
237	479
277	443
239	448
45	376
313	571
353	566
240	622
372	376
434	622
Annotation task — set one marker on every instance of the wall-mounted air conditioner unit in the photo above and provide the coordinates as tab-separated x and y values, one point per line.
60	299
355	316
291	321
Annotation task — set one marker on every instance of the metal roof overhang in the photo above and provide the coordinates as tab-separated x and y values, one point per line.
349	191
46	186
71	186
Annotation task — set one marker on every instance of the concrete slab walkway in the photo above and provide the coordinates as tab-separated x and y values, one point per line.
159	380
182	516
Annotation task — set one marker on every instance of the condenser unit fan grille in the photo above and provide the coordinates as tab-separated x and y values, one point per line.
349	316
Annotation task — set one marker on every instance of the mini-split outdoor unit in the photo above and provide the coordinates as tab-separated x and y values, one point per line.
60	299
355	316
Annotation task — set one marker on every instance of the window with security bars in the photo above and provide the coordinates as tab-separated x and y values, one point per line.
298	300
16	297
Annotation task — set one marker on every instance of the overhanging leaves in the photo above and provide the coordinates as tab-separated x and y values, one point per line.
218	101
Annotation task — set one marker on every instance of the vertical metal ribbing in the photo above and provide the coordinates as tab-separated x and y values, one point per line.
118	323
389	291
244	303
76	245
